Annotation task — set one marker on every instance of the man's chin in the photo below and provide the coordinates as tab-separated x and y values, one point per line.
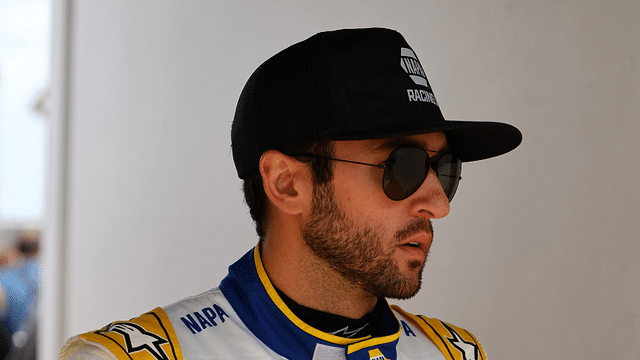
416	265
405	295
405	288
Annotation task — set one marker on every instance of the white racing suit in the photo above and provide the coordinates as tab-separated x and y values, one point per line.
244	318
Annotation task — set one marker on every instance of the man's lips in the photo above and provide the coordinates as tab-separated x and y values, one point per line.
417	234
420	241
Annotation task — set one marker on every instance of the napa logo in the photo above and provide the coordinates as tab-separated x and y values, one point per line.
376	354
410	64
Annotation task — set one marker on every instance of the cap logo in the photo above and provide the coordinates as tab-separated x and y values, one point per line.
410	64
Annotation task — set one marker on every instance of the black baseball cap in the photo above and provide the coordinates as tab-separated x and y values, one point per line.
351	84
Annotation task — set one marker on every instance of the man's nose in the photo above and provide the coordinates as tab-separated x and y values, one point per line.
429	200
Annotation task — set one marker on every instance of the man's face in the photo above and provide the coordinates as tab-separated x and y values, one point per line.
375	243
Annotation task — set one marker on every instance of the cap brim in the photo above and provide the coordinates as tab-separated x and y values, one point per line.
477	140
469	140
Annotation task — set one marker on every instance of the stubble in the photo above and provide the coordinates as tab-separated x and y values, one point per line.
356	251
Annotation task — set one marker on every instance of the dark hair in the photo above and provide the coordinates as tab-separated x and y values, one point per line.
253	188
28	243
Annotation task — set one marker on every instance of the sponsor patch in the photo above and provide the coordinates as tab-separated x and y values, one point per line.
455	343
376	354
148	337
468	349
207	317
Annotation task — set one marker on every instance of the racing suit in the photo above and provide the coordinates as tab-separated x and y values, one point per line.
245	318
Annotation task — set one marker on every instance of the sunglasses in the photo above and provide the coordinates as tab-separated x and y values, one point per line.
406	169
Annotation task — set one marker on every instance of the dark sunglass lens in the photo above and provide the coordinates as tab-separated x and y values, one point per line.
405	171
449	170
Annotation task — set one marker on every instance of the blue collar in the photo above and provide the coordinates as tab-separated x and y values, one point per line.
255	300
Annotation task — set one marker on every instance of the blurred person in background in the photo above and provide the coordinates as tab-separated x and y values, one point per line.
19	284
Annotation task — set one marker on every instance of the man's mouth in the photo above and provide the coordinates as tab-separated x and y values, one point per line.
420	241
412	244
417	234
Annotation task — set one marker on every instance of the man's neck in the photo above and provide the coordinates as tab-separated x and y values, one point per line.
310	282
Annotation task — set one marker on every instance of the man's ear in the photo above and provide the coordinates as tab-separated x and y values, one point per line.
286	181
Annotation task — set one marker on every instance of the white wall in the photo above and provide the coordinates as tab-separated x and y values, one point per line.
540	255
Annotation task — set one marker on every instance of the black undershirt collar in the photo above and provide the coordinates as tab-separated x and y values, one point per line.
336	324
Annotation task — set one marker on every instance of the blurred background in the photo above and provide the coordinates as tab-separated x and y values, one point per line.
25	67
115	147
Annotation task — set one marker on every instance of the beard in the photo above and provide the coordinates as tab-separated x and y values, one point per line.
355	250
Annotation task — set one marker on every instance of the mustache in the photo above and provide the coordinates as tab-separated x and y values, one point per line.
414	227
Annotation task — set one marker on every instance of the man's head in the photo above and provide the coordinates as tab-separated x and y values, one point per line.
28	243
346	157
354	84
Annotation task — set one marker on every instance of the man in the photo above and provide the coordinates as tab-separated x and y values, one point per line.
345	158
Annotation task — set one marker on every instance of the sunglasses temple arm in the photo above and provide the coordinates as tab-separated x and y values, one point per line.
347	161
